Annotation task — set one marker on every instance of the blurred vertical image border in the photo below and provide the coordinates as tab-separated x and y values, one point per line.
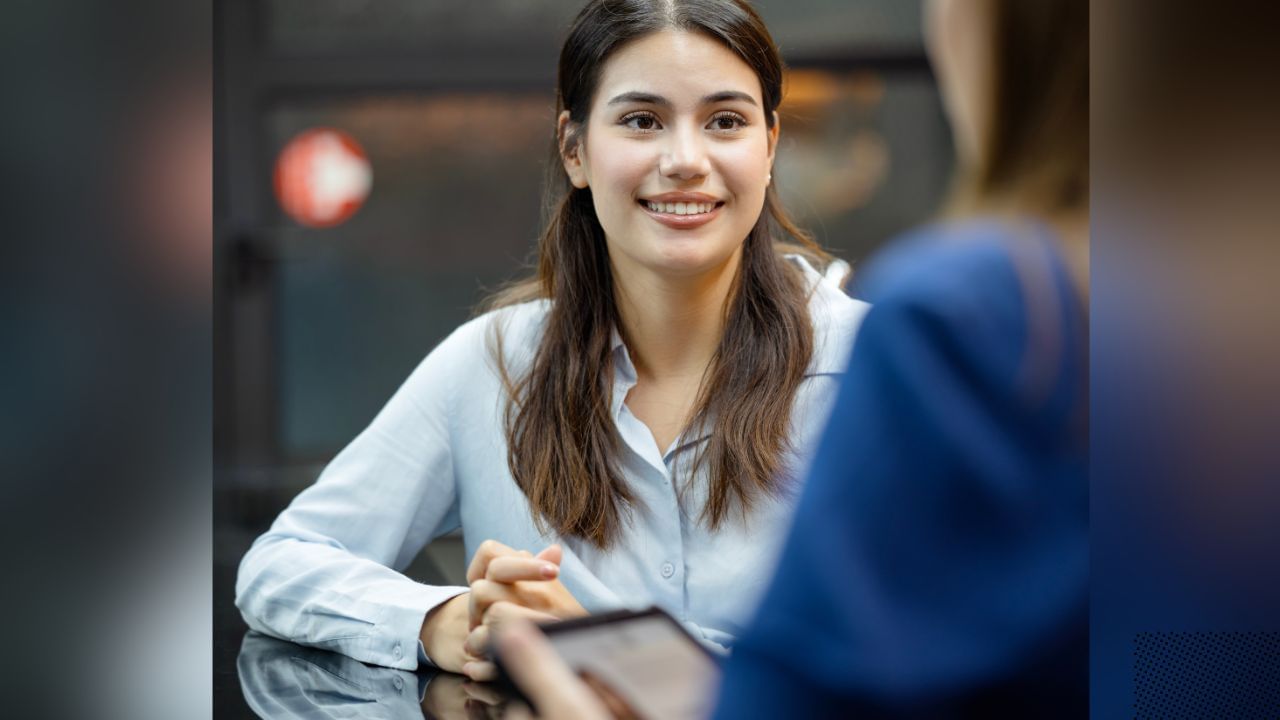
1186	340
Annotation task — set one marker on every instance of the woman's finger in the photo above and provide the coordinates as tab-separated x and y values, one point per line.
480	671
510	569
552	554
477	642
485	593
488	550
504	612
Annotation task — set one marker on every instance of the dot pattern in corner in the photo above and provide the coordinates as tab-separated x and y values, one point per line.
1207	675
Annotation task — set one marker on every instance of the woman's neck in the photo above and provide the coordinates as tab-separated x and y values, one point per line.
673	325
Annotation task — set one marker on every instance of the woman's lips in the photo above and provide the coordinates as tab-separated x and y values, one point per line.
682	222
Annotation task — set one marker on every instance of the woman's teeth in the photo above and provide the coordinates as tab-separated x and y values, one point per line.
681	208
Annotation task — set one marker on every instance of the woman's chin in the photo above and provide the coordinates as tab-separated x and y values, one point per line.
675	257
683	258
686	266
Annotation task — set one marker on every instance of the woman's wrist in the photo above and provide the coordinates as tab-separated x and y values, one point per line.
443	632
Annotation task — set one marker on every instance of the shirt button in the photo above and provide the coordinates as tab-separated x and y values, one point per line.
398	651
668	570
398	682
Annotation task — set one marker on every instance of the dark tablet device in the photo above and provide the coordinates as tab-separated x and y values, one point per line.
645	658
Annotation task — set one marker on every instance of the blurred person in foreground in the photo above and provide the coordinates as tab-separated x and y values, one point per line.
939	562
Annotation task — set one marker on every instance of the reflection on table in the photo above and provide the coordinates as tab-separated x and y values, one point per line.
283	680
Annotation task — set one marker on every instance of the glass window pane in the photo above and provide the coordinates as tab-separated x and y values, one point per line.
862	156
454	209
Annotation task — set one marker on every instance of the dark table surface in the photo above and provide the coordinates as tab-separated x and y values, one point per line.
270	678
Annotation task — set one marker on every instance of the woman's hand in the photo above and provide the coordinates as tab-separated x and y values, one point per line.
444	632
498	615
501	574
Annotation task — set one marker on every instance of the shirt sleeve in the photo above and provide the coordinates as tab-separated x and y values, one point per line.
326	574
934	558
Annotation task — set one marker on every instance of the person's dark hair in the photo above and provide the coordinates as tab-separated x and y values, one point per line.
1035	148
562	443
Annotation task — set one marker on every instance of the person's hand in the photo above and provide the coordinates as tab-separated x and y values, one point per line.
501	574
498	615
544	677
444	632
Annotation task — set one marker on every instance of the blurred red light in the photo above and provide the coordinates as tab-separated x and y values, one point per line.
322	177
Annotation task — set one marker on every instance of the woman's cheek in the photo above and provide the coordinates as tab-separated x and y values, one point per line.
627	167
746	170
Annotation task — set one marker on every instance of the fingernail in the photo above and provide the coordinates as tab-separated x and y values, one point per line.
549	570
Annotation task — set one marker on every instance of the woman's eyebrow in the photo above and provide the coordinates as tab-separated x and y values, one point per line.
728	95
651	99
640	97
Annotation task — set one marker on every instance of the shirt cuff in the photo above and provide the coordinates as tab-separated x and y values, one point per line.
397	634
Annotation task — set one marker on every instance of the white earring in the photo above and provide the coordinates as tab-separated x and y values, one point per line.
768	179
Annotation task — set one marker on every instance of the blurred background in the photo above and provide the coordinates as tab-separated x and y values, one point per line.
426	126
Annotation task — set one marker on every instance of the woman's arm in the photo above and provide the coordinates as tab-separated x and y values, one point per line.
326	573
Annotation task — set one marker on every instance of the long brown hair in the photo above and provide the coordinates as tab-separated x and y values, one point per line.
562	443
1034	150
1033	161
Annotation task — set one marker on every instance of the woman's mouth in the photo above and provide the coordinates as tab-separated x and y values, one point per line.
682	215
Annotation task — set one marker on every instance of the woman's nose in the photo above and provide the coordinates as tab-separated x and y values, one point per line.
685	156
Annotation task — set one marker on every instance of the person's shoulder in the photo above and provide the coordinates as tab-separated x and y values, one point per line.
991	296
834	315
950	266
465	364
514	330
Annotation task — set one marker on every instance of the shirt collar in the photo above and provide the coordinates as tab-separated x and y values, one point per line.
829	355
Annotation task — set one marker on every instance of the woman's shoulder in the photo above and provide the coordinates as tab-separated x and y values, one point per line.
514	330
835	315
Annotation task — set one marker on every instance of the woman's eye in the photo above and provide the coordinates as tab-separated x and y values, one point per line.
642	122
728	121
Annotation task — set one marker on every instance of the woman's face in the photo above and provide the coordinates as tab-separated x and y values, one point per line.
677	154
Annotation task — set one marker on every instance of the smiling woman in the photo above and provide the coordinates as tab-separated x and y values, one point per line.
635	413
703	140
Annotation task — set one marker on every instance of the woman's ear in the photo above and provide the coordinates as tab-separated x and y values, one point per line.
773	136
571	149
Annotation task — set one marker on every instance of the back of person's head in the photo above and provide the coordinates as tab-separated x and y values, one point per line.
1015	79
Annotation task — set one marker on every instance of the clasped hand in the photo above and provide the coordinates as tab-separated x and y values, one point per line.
507	584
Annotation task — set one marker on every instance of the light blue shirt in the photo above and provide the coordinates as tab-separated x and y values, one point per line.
435	459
